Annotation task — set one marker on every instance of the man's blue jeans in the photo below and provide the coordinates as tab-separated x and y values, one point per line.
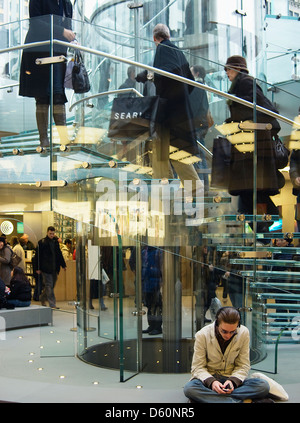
250	389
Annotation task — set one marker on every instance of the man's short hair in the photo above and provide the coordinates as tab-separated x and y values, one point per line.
229	315
51	228
161	31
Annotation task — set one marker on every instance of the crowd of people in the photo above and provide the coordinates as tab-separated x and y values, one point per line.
47	258
185	126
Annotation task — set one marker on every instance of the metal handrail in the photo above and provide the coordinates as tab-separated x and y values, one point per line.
158	71
180	79
120	91
3	87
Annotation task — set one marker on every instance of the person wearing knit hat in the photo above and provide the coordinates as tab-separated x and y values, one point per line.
268	178
236	62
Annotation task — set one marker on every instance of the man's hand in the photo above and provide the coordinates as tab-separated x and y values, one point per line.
222	388
228	387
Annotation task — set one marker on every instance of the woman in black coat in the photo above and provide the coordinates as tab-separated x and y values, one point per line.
269	180
35	79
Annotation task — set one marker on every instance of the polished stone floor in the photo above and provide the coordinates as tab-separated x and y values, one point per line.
39	365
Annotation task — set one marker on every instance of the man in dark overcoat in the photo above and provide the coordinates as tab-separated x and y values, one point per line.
178	120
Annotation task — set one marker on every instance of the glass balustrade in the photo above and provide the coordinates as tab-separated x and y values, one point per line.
155	214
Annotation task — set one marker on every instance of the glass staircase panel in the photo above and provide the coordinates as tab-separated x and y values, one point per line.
119	204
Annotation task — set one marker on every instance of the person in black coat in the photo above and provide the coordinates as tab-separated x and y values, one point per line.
20	289
295	179
178	123
129	83
269	179
35	79
202	120
49	260
151	277
3	298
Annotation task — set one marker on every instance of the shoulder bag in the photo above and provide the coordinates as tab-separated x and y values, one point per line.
15	259
80	79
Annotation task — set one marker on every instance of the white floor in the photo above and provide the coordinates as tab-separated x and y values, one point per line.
27	375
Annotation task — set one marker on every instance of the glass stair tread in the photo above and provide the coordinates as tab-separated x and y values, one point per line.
266	262
288	296
269	285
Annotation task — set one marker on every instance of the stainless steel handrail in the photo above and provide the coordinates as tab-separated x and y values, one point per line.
121	91
180	79
3	87
158	71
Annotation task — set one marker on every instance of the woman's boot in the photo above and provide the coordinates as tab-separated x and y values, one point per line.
59	116
42	111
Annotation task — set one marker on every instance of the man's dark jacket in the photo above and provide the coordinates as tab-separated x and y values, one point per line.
49	258
178	112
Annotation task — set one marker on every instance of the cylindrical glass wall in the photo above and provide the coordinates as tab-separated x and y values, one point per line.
171	256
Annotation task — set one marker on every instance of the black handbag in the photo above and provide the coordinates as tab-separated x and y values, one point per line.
220	163
132	116
80	79
281	153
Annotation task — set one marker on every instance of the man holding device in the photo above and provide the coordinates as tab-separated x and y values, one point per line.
221	363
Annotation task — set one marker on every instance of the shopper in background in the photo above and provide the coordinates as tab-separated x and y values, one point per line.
17	248
20	289
49	260
130	82
3	298
202	120
66	249
295	177
25	243
35	79
177	129
268	178
5	257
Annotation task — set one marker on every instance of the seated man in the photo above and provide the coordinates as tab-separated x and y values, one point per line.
221	363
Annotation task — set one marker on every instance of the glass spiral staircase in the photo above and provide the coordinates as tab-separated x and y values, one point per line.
122	210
